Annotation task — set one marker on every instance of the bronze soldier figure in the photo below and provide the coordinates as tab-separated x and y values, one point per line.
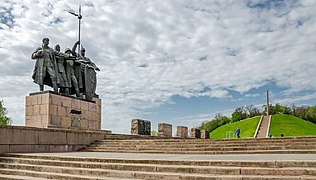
70	71
62	82
85	73
45	66
82	56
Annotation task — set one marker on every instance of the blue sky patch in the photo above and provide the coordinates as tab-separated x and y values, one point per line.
266	4
57	20
6	17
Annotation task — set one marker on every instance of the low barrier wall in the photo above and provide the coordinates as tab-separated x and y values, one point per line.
15	139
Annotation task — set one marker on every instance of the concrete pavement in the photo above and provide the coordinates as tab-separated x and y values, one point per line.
193	157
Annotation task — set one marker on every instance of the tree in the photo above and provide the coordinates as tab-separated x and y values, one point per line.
218	116
211	125
293	109
287	110
252	110
222	120
278	108
272	109
311	114
301	112
219	120
236	116
225	120
239	114
4	120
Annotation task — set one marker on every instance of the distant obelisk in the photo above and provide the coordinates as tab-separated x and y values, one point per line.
267	103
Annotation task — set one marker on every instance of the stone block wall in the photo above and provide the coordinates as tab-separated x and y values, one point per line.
140	127
164	130
19	139
195	133
205	134
182	131
47	109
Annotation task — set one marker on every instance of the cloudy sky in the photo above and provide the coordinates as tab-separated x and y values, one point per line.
172	61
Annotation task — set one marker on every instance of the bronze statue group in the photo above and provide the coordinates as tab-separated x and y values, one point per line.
67	73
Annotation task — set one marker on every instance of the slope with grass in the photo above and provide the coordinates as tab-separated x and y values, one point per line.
247	129
291	126
280	123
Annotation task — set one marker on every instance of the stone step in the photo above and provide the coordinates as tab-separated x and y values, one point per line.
292	146
160	173
232	150
36	175
188	146
206	142
18	158
183	145
298	151
166	168
177	144
214	140
197	142
207	146
63	167
16	177
39	164
165	139
126	136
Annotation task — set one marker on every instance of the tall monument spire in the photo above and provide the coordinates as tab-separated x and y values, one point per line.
267	106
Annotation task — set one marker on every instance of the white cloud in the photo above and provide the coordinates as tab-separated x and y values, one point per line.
149	51
252	95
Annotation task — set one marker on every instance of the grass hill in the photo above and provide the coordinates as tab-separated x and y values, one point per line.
247	129
291	126
280	123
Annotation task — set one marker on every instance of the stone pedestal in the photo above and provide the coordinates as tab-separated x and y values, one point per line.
182	131
140	127
195	133
205	134
164	130
49	110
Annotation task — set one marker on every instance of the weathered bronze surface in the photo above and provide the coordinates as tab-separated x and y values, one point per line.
45	67
68	73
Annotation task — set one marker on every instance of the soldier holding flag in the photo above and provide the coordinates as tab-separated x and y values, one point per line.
85	72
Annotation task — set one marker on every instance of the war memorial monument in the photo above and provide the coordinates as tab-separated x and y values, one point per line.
73	103
62	137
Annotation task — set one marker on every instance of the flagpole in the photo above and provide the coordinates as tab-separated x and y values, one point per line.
79	22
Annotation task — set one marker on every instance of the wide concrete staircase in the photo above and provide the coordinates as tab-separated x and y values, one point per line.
17	166
206	146
263	127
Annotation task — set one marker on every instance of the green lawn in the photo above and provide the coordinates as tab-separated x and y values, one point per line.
291	126
247	128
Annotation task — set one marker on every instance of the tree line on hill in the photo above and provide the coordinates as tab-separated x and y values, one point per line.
307	113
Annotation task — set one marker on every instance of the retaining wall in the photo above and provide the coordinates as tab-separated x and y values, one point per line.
15	139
